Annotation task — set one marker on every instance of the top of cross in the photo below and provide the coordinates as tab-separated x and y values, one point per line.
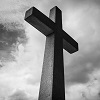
49	25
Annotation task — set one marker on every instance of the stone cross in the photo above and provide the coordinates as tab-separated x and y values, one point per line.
52	86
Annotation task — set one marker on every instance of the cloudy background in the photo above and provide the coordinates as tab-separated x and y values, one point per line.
22	48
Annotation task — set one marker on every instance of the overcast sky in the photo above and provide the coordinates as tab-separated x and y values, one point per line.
22	49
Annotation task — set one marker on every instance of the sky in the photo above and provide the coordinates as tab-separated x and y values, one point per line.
22	49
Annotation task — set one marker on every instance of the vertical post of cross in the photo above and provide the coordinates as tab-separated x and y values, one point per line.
58	92
52	80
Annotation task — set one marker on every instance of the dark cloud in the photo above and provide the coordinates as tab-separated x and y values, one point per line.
19	95
11	35
83	66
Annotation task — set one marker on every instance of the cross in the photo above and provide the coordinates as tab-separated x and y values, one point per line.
52	86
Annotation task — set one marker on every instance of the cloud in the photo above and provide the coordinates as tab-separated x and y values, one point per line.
22	44
13	5
20	95
88	91
14	10
17	59
10	37
83	66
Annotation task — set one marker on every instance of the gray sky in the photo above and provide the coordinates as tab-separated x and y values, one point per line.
22	48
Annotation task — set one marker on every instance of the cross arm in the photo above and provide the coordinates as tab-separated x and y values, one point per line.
69	44
41	22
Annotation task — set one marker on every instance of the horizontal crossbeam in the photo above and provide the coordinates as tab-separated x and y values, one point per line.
38	20
69	44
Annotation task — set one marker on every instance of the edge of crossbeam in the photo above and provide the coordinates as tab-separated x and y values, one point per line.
40	21
69	44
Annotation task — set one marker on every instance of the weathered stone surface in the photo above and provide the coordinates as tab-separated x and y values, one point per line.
52	86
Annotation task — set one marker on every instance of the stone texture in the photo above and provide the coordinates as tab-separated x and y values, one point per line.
52	86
